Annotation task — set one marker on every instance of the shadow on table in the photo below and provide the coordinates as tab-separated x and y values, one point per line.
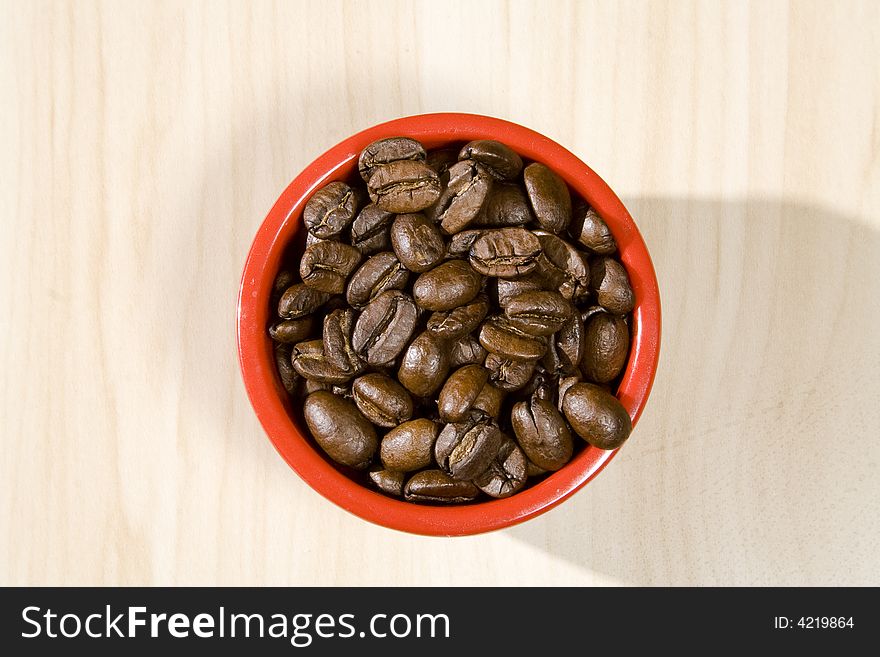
756	460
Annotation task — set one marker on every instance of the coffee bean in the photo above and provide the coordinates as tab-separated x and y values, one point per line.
330	210
326	266
371	230
549	197
607	347
382	400
506	205
340	429
566	382
507	289
386	151
378	274
542	433
404	186
489	401
286	373
589	229
388	481
564	267
460	392
466	350
441	160
337	346
447	286
566	348
465	449
458	204
291	330
505	252
500	160
384	327
437	486
596	415
410	446
499	336
417	242
453	324
460	244
538	312
611	282
507	374
300	300
310	362
283	280
506	473
425	365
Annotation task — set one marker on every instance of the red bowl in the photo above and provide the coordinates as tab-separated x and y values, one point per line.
284	424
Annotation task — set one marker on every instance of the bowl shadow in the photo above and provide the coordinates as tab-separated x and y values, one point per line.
756	459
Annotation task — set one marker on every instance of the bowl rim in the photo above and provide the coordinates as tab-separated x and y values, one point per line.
282	224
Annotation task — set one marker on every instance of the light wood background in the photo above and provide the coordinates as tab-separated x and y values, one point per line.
142	143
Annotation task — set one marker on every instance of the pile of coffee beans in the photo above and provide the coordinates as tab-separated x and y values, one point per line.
456	323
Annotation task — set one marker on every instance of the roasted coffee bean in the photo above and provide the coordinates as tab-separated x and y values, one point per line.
371	230
378	274
542	433
549	196
564	267
506	205
340	429
382	400
326	266
506	473
538	313
466	350
330	210
460	244
384	327
489	401
417	242
283	280
533	470
460	392
300	300
611	282
607	347
566	382
388	481
499	336
410	446
507	289
424	366
311	386
500	160
505	252
437	486
596	415
447	286
589	229
310	362
465	449
337	346
455	323
404	186
291	330
507	374
458	205
441	160
289	377
566	348
386	151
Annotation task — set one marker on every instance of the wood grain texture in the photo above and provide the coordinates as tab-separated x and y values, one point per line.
141	144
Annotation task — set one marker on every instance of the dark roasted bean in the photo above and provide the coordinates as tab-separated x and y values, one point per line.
506	252
447	286
384	327
458	204
404	186
607	347
378	274
386	151
611	282
417	242
300	300
410	446
437	486
330	210
500	160
549	196
424	366
589	229
340	429
596	415
326	266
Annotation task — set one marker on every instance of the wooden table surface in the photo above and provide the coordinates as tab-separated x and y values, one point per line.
142	143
